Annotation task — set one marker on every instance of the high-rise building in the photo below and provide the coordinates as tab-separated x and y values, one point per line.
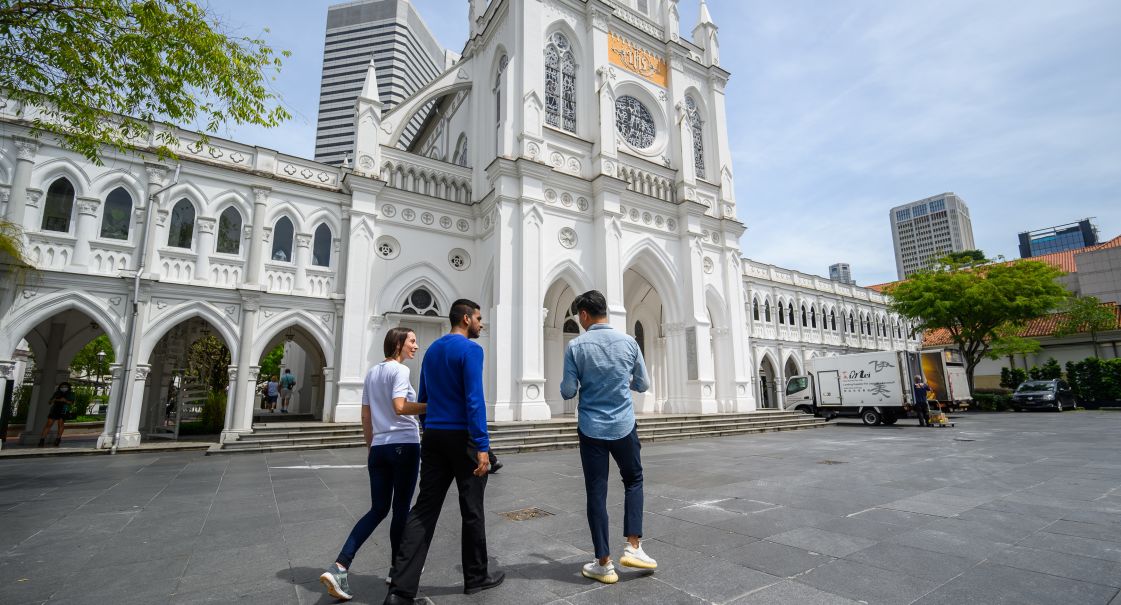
1059	238
406	56
841	272
928	229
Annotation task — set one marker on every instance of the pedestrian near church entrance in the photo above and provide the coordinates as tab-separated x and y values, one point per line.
392	434
287	383
922	408
603	366
454	447
272	392
61	402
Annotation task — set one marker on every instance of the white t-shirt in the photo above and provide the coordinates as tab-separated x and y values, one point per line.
384	382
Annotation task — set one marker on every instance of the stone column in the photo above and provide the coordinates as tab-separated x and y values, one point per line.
116	375
47	377
256	242
206	226
7	380
157	176
608	269
231	397
85	230
303	259
239	406
130	425
700	395
604	146
26	150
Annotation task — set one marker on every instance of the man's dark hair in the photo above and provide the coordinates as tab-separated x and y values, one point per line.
394	340
287	371
460	309
593	302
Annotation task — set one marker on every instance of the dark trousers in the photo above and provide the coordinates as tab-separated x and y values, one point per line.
444	457
594	454
393	470
922	410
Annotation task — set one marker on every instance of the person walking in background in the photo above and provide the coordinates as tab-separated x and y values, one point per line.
922	408
392	434
287	383
454	447
61	402
272	392
603	366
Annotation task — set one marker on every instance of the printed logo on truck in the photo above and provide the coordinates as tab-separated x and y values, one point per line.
864	381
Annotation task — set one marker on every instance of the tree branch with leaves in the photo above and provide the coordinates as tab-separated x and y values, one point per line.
1086	314
102	72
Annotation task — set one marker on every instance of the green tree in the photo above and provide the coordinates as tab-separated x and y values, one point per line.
963	258
15	264
270	363
1009	343
208	361
101	72
976	304
1082	314
86	363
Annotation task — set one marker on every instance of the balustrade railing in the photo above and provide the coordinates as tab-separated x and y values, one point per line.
409	172
50	251
280	278
177	265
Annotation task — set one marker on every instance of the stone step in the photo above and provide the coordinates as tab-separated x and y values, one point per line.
527	436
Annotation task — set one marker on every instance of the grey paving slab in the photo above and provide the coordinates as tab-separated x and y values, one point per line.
991	584
788	592
1029	501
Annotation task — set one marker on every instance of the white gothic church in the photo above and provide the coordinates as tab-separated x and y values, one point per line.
576	144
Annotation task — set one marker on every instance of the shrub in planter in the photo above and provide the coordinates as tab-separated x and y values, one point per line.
213	416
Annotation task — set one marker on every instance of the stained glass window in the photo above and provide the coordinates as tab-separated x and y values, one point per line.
634	122
696	125
560	83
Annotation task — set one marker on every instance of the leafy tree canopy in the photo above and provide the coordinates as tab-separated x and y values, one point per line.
1082	314
978	304
270	363
963	258
101	71
87	363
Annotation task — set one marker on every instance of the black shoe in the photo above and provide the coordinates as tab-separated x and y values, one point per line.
396	599
495	465
42	442
493	580
58	442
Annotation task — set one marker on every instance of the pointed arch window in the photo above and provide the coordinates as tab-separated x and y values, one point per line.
832	320
696	127
804	317
59	206
813	317
282	233
790	313
781	313
117	215
321	246
181	233
852	323
229	231
640	337
755	309
421	302
767	310
560	83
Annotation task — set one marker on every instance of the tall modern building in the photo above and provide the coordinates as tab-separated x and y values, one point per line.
406	56
928	229
841	272
1059	238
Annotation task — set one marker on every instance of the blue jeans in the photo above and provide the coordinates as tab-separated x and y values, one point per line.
393	471
594	454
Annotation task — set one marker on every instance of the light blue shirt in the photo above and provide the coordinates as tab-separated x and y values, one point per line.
604	365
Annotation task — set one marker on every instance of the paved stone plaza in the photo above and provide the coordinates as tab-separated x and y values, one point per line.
1009	508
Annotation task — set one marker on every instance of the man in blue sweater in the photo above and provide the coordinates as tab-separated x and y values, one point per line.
603	366
454	446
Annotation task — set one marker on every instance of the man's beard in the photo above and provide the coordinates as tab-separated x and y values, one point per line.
473	332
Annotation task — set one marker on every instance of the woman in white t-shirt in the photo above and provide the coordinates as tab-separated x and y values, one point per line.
392	431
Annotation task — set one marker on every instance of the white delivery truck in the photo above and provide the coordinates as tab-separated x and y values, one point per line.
876	386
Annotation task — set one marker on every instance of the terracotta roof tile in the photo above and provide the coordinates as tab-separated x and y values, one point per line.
1040	326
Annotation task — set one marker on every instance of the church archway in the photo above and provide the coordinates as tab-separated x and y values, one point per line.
560	327
645	308
768	383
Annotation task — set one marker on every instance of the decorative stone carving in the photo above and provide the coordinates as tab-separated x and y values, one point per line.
446	222
459	259
261	194
206	224
88	205
142	372
33	196
567	237
708	265
408	214
26	149
388	210
303	240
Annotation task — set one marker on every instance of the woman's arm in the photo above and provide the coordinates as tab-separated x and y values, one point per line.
408	408
367	426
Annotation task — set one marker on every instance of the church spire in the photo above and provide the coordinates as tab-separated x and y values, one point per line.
367	122
370	86
705	17
704	36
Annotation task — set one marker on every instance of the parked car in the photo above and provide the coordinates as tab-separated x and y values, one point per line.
1043	394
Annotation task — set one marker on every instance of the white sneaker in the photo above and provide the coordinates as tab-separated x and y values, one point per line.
635	557
602	573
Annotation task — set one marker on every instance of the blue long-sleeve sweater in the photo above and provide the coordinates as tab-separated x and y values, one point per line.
451	383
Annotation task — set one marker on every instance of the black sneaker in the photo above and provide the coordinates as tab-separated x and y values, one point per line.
495	465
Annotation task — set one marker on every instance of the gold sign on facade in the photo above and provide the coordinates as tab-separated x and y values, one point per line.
637	60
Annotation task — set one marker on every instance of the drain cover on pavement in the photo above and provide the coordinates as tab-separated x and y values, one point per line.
526	514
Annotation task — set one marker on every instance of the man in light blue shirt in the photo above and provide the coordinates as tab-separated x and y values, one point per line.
603	366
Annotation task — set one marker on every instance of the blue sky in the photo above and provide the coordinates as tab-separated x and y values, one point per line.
839	110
